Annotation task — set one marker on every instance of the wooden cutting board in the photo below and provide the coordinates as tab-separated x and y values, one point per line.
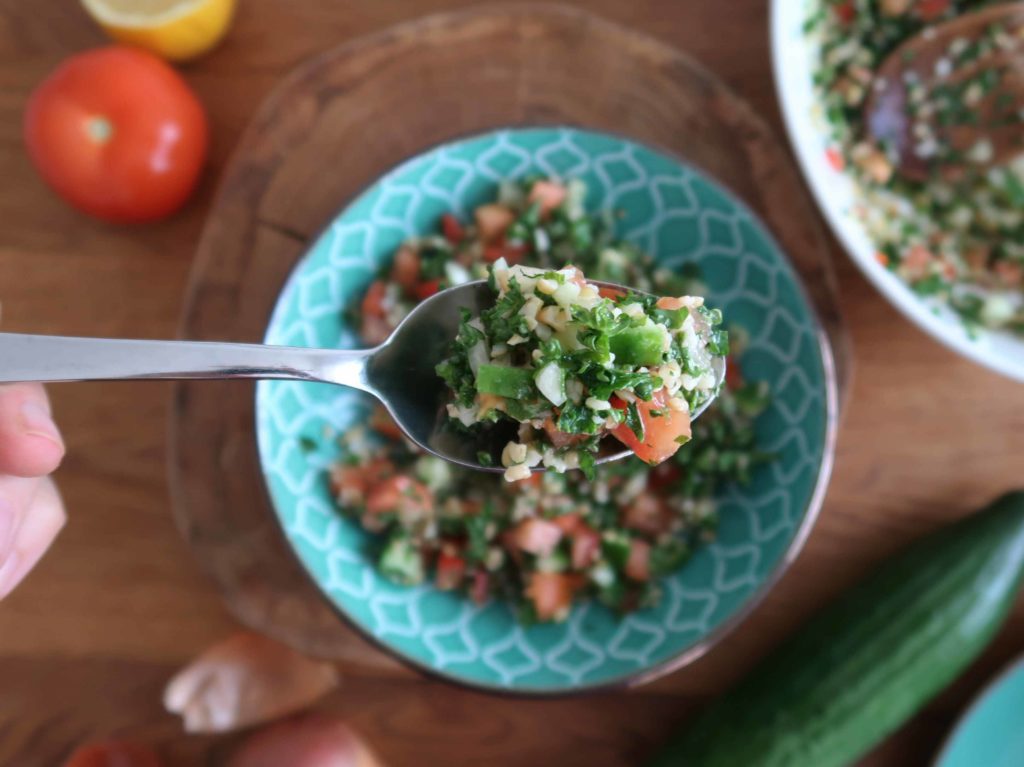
335	125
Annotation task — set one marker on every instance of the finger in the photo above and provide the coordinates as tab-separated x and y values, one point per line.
16	497
40	524
30	444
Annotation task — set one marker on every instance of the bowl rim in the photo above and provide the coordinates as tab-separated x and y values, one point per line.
980	698
686	656
895	290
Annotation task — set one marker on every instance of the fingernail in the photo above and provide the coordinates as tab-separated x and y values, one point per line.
9	575
37	421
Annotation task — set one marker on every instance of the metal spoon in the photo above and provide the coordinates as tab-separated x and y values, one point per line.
399	372
962	127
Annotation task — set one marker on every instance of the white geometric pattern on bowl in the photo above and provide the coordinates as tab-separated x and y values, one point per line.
670	210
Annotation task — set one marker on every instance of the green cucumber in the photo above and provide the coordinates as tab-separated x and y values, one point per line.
505	381
637	346
867	662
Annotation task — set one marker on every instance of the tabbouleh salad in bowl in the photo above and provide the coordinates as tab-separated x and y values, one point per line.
959	241
551	539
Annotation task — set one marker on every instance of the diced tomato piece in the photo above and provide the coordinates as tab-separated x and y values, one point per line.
513	254
355	481
661	433
835	158
113	753
560	439
549	194
929	10
492	220
425	290
568	523
646	514
552	593
1011	275
638	565
606	292
382	423
845	11
669	303
452	229
586	543
406	269
450	570
373	301
733	374
533	480
882	258
401	495
537	536
480	590
915	262
375	330
664	475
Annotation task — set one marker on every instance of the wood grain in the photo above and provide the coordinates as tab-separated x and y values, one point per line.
87	642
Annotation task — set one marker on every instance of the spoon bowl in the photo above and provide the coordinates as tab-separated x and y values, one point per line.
400	372
948	101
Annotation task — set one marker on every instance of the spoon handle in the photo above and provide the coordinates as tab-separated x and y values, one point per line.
62	358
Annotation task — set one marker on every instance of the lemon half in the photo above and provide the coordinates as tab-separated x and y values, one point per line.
175	29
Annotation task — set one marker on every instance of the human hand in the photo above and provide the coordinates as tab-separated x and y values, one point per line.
31	510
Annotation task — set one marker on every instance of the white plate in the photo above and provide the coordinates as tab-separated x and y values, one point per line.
792	59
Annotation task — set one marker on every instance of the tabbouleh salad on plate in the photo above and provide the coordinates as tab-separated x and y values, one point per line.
552	539
960	240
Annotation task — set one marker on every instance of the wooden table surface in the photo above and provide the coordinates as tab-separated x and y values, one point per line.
87	643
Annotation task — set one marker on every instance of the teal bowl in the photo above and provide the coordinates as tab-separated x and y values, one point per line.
990	732
671	210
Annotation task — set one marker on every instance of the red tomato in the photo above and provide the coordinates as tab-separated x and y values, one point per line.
112	753
373	301
568	523
492	220
845	11
406	269
647	514
382	423
549	194
612	293
560	439
660	432
481	588
450	570
638	565
835	159
426	289
586	543
537	536
512	254
929	10
312	740
452	229
359	479
401	495
118	134
551	593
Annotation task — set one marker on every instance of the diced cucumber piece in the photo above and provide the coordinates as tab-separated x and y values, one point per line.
505	381
555	562
550	380
637	346
615	548
401	562
433	472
